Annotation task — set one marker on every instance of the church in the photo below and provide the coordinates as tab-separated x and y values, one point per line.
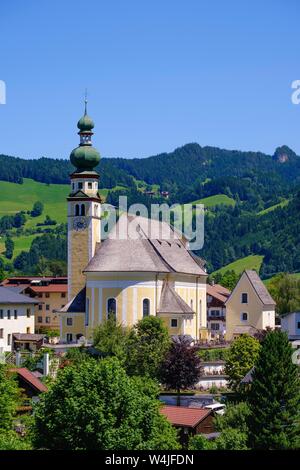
123	276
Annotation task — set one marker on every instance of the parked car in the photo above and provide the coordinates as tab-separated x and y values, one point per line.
217	408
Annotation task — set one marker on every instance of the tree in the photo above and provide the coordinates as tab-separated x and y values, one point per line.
240	359
110	339
9	396
42	268
200	442
37	209
147	345
285	290
235	417
95	405
231	439
181	368
9	247
274	396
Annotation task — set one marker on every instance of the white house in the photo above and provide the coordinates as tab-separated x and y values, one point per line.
291	324
16	316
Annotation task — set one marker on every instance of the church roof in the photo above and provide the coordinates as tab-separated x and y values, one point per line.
171	302
143	245
77	304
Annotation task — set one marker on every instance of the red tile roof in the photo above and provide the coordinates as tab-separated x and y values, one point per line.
182	416
30	378
49	288
218	292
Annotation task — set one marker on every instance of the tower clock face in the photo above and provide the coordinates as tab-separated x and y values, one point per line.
79	224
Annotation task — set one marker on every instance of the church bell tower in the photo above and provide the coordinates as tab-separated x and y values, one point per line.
84	206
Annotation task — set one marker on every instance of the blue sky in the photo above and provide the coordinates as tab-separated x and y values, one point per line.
159	74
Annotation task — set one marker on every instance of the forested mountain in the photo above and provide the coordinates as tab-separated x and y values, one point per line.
264	218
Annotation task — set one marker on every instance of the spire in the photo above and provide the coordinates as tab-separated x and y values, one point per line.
85	102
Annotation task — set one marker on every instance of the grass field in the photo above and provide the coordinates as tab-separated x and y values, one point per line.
216	200
249	262
272	208
17	197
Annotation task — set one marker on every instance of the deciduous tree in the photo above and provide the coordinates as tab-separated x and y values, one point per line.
240	359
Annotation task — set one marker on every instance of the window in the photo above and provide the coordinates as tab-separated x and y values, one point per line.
174	322
111	308
40	306
96	210
192	304
244	316
215	326
87	312
47	307
1	314
47	319
1	333
69	321
28	312
73	186
40	295
90	185
244	298
77	209
47	295
80	185
69	337
8	339
8	314
146	307
28	330
298	325
63	295
82	209
15	314
40	319
62	306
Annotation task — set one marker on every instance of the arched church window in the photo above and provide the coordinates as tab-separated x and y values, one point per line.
82	209
146	308
111	308
77	209
192	304
96	210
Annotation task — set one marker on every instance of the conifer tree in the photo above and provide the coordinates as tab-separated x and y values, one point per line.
274	397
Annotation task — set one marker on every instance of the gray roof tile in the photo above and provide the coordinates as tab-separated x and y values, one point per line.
171	302
260	288
8	296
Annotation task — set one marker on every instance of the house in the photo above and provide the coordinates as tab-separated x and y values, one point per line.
143	267
16	316
51	293
249	307
189	421
290	323
31	387
213	375
216	296
27	341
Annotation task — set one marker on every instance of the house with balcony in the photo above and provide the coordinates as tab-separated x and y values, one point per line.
216	296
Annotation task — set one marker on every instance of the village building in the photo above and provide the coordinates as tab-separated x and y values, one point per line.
290	323
249	307
16	316
130	274
189	421
50	293
216	311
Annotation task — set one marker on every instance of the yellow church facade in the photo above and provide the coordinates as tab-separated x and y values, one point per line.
129	277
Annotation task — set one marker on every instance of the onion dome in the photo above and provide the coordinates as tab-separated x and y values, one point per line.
85	156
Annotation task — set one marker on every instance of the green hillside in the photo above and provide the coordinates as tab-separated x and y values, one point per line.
21	197
21	243
249	262
216	200
275	206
